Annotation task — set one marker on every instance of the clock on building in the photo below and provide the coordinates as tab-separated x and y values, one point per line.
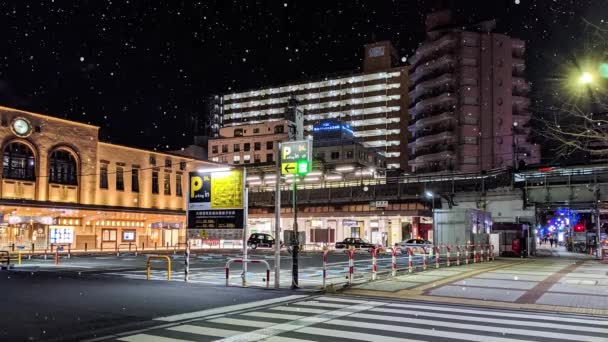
21	127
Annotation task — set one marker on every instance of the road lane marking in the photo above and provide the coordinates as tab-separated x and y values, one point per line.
150	338
342	300
273	315
312	303
299	309
498	313
425	332
225	309
492	320
352	335
524	332
207	331
242	322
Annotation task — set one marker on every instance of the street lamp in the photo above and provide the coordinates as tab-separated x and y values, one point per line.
586	78
430	195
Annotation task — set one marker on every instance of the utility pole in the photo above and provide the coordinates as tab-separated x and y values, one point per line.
277	220
294	241
245	208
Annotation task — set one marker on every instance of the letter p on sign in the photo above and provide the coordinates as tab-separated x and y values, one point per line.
196	183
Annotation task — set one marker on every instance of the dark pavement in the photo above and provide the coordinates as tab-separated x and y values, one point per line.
65	306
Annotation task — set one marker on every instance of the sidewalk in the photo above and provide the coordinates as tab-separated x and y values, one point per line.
553	284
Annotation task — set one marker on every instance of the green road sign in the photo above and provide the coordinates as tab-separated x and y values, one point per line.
296	157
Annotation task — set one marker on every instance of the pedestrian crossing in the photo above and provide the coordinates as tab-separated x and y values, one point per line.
335	318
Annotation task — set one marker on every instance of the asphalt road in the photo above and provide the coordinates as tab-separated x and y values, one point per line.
66	306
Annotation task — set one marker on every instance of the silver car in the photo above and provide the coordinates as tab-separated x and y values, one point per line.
416	246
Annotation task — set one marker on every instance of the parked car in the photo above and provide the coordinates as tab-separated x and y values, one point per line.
355	242
260	240
416	245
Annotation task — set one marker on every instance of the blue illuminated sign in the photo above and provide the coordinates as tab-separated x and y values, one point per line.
330	126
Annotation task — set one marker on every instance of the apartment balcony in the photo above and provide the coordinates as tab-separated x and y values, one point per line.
432	69
433	49
519	86
521	119
435	86
434	167
519	66
433	120
518	48
432	150
437	104
520	104
443	135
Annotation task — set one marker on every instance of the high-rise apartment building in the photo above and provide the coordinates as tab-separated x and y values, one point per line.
374	103
469	100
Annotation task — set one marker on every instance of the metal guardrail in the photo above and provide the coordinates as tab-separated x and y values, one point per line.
244	275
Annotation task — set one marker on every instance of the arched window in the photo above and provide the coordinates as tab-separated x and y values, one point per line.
18	162
62	168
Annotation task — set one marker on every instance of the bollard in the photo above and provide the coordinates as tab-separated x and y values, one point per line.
12	247
458	255
437	252
268	278
69	252
85	246
448	249
142	246
32	248
325	266
474	253
227	274
129	246
410	265
492	251
351	264
167	243
155	245
466	254
393	261
374	263
487	252
481	253
56	257
424	258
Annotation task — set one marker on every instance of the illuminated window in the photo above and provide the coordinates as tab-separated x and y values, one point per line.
62	168
247	159
236	159
18	162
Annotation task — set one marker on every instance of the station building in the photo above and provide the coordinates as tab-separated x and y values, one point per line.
61	186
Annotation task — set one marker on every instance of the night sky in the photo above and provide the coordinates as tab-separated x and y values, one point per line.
142	69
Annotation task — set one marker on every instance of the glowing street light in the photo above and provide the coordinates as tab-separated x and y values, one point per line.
586	78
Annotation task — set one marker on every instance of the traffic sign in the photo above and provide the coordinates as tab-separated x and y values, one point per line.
296	157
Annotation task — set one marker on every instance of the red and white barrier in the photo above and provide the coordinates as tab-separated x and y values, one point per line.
375	262
481	253
394	261
466	254
424	258
448	250
410	266
474	247
492	251
351	265
325	266
437	253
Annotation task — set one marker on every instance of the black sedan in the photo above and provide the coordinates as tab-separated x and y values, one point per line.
355	242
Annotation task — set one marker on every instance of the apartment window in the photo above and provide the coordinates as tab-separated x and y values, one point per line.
269	145
269	157
349	154
246	159
224	148
238	132
470	140
134	180
215	149
103	176
152	160
335	155
167	184
178	185
257	146
182	165
120	180
256	130
236	159
256	158
155	182
237	147
279	129
247	147
168	163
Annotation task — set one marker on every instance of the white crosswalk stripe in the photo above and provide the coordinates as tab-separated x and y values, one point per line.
304	318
